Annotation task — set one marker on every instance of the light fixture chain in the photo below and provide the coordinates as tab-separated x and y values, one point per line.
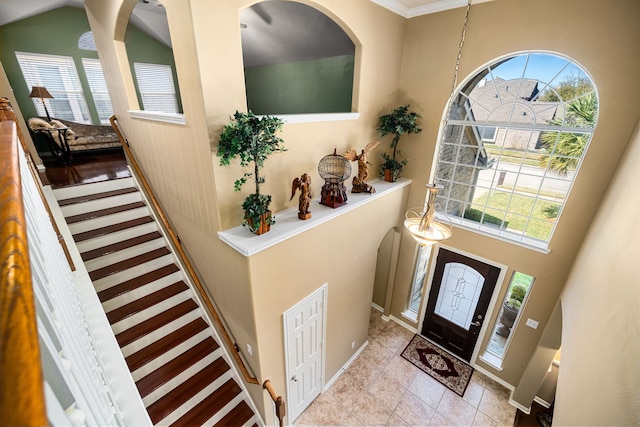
455	82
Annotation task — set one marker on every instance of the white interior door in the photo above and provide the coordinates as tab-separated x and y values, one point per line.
304	332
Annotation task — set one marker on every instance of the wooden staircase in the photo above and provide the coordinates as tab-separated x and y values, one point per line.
183	375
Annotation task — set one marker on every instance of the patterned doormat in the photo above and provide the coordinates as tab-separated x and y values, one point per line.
447	369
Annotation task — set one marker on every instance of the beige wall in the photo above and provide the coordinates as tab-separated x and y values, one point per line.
599	381
599	35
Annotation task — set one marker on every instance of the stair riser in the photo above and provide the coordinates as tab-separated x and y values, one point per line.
178	379
117	237
179	412
172	354
154	336
142	291
96	205
123	255
105	220
130	273
143	315
98	187
222	412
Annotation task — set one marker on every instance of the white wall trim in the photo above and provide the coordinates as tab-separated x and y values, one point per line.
318	117
345	366
154	116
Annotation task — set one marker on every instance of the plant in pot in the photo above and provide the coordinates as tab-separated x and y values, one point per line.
510	310
252	139
399	122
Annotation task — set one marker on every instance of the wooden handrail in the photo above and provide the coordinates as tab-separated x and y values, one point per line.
233	348
21	381
7	114
277	400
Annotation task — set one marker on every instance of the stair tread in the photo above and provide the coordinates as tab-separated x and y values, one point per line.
108	270
103	212
86	235
125	244
185	391
156	322
237	416
136	282
96	196
174	367
209	406
145	302
158	348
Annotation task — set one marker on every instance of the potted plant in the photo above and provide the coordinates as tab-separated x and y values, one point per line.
510	310
252	139
399	122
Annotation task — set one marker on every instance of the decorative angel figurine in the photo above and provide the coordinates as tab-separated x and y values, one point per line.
359	184
304	184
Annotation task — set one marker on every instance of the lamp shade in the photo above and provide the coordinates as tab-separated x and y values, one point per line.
40	92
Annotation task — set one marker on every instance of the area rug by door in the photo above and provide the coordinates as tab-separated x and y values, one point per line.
447	369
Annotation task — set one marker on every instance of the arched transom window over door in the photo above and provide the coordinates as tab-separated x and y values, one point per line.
516	135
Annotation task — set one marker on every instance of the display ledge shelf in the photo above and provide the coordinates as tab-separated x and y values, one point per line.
288	225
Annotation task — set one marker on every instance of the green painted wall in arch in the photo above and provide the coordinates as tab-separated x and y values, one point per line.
316	86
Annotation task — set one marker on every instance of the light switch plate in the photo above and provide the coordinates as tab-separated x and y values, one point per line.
249	349
532	323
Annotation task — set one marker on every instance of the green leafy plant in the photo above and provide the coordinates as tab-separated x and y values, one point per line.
251	139
399	122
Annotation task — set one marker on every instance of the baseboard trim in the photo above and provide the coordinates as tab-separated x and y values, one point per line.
542	402
345	366
404	324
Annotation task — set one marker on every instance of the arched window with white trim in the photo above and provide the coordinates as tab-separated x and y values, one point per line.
516	134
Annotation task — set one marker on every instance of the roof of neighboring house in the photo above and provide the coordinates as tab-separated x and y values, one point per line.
499	100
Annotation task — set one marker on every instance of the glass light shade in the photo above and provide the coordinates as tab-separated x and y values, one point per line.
423	225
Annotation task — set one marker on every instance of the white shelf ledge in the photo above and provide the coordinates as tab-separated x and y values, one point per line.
288	225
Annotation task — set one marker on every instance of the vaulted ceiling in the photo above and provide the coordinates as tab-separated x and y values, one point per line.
272	31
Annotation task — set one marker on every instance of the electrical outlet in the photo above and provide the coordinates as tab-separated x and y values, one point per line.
353	344
249	349
532	323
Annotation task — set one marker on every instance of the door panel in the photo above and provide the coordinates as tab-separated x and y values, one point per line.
304	334
461	289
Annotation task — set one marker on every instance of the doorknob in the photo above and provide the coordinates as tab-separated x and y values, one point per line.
294	378
476	323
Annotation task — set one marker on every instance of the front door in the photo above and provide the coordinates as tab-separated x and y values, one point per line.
461	289
304	334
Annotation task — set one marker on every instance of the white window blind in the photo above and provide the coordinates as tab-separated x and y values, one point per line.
98	86
155	83
59	75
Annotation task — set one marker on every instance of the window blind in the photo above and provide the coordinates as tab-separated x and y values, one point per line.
59	75
155	83
98	86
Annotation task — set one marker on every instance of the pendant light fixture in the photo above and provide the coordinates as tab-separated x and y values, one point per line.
422	223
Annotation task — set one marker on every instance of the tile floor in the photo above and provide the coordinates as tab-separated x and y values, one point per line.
380	388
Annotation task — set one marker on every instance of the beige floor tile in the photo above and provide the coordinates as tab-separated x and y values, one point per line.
382	388
376	354
427	389
388	389
456	409
363	372
371	410
401	370
345	391
440	420
483	420
321	412
394	337
497	407
473	393
414	411
396	420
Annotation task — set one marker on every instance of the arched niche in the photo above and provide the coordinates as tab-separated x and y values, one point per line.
146	42
297	60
